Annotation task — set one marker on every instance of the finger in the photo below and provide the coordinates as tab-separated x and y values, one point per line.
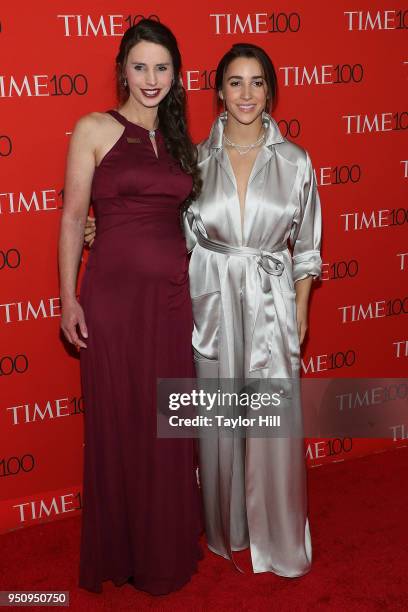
73	338
90	219
91	242
89	231
77	340
67	335
82	326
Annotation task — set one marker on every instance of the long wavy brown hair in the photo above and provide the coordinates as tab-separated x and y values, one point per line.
172	109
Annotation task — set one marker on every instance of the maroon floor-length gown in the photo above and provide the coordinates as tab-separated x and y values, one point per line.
141	517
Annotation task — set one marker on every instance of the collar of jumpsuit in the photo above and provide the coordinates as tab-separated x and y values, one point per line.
272	132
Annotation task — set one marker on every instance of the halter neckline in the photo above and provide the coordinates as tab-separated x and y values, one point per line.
124	121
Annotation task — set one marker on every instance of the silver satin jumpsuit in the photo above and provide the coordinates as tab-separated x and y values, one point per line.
242	288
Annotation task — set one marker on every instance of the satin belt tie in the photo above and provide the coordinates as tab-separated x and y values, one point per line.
264	257
266	302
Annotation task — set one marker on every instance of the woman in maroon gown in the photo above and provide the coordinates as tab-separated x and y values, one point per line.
134	320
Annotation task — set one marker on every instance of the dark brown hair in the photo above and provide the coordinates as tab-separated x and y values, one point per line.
172	109
255	52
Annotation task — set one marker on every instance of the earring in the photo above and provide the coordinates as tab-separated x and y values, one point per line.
225	108
125	82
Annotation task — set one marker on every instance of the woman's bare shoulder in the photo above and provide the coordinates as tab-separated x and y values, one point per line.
96	127
96	121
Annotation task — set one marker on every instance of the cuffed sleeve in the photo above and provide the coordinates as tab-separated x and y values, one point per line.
189	228
305	235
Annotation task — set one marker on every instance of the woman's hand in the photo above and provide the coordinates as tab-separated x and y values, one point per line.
71	319
90	231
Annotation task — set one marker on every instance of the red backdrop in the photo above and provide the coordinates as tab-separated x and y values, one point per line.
342	69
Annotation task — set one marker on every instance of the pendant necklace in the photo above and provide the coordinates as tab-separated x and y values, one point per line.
152	133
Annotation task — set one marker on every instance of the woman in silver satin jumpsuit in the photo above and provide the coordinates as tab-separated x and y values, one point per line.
250	294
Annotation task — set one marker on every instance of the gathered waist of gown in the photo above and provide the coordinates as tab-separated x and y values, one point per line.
269	260
142	219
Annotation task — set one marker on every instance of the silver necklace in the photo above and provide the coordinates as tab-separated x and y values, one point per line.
243	149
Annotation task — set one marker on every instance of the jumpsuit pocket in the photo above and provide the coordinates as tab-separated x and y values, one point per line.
206	312
291	322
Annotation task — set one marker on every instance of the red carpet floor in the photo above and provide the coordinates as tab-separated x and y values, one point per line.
358	517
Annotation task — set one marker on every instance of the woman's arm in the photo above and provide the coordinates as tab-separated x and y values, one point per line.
77	192
189	226
302	288
306	241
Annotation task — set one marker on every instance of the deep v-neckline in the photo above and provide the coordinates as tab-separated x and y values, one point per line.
242	212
